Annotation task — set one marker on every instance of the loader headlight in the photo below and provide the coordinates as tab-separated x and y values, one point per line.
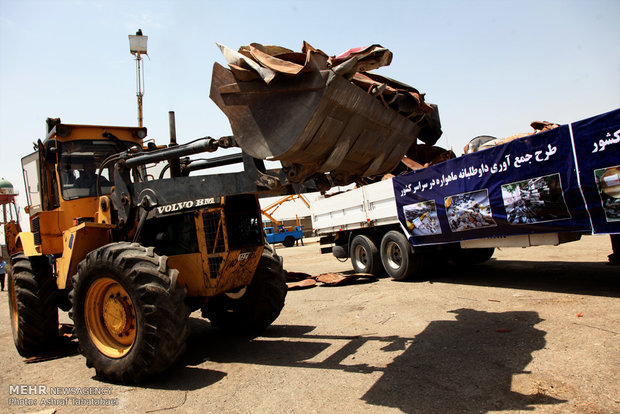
141	133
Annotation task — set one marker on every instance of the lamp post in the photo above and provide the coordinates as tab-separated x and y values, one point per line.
137	47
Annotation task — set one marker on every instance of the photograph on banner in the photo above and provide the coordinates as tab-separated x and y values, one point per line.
469	211
421	218
608	182
535	200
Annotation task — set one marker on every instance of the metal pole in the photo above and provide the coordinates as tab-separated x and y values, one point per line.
140	92
175	165
173	128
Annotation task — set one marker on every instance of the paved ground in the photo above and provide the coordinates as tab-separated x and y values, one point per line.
533	329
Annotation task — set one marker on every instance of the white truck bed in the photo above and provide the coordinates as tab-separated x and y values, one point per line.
370	205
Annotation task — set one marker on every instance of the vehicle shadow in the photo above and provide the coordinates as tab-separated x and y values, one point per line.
183	378
463	365
586	278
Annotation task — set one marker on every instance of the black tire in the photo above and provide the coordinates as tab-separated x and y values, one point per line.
289	241
398	258
32	304
364	255
258	306
132	281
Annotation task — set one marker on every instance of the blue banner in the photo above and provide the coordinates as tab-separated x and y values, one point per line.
530	185
597	149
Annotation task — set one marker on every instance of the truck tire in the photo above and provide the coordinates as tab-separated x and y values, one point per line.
289	241
260	302
398	258
32	303
130	316
365	255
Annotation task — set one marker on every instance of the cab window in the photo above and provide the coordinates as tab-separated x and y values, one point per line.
81	168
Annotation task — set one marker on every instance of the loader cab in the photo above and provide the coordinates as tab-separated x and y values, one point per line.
66	174
69	164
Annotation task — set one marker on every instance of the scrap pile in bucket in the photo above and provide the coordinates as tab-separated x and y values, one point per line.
256	61
326	119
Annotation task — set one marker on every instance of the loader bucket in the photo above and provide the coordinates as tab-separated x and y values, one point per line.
315	122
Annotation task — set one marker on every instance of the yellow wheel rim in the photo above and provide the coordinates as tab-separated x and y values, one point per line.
110	317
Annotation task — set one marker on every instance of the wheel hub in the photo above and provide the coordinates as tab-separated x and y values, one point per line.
110	317
395	259
117	314
360	256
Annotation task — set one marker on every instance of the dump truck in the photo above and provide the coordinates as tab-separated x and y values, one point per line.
129	252
547	188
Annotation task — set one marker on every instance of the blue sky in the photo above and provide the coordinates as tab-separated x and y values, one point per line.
491	66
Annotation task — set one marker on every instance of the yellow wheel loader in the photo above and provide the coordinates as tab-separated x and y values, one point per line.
130	248
129	260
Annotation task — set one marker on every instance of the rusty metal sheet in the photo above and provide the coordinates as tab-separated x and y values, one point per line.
336	279
274	63
243	74
271	50
360	59
238	59
331	279
301	284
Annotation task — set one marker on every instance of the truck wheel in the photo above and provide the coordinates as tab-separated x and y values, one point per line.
130	316
257	305
365	255
32	304
399	261
289	241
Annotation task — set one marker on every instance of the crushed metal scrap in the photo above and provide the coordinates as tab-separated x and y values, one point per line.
486	141
257	61
303	280
301	284
283	104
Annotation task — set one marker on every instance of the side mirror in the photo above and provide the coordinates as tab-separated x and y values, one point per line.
52	148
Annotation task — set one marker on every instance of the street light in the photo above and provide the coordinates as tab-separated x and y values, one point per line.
137	47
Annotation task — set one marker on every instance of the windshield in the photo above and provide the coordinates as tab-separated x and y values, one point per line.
80	163
30	169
